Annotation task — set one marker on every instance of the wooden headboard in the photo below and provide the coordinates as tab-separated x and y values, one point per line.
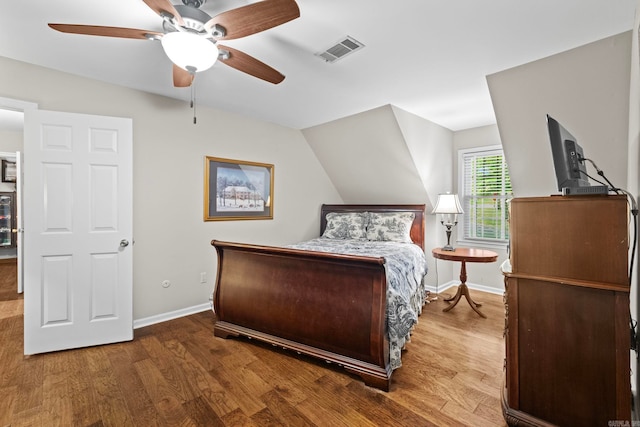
417	228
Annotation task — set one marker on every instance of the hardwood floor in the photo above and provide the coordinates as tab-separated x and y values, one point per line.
177	373
11	303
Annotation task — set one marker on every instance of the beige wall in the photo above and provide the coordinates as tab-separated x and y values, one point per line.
171	239
367	159
10	141
387	155
431	151
594	91
587	90
485	276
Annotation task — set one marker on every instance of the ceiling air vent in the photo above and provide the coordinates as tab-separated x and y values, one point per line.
341	49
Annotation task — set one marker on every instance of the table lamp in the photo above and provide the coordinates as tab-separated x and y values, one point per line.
449	206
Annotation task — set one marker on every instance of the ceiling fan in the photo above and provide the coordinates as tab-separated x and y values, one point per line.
190	37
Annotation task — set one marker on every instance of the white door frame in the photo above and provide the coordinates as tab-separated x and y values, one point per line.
25	107
16	157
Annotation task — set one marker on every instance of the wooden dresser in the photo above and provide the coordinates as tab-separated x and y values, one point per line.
567	312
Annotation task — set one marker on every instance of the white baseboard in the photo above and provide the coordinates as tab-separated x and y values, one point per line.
474	286
158	318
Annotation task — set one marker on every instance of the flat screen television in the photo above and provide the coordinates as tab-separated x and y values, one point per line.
568	162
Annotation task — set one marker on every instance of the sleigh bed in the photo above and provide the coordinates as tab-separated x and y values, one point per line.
344	307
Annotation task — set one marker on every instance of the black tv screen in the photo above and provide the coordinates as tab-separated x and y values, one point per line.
567	157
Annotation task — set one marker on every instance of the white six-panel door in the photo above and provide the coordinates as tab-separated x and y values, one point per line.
77	231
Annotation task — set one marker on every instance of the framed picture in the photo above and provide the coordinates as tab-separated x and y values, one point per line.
8	171
236	190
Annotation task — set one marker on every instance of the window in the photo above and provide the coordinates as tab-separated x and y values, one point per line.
484	190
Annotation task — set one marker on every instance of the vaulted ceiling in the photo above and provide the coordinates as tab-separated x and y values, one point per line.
429	58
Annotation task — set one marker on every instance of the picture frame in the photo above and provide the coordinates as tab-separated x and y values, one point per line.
9	171
237	190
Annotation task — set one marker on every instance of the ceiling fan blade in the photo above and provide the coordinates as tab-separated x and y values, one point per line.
181	77
254	18
250	65
94	30
162	7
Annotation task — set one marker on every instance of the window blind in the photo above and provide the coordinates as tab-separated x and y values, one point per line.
485	190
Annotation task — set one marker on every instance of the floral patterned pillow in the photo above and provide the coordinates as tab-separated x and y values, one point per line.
391	226
346	225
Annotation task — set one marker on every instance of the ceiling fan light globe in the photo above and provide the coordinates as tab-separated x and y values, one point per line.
189	50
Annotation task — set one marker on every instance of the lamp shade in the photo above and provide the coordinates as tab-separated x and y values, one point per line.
447	204
190	51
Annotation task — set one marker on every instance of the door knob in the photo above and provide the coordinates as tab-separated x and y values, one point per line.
124	243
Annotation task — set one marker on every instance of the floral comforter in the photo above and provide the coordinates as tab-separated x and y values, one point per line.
405	266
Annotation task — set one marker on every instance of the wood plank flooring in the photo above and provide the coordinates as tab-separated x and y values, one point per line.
177	373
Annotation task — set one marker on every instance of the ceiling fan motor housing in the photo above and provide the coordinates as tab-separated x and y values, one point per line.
194	3
194	19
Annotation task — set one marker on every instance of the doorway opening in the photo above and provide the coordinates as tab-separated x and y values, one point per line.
12	114
11	144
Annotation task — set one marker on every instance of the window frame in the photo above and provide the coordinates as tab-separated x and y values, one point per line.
460	234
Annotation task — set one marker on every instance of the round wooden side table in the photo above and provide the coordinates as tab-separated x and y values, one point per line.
464	255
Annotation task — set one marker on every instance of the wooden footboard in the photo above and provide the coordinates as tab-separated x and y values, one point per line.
323	305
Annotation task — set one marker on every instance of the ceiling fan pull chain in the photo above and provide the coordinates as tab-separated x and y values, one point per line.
193	99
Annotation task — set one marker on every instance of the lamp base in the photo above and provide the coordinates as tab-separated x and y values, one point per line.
448	246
